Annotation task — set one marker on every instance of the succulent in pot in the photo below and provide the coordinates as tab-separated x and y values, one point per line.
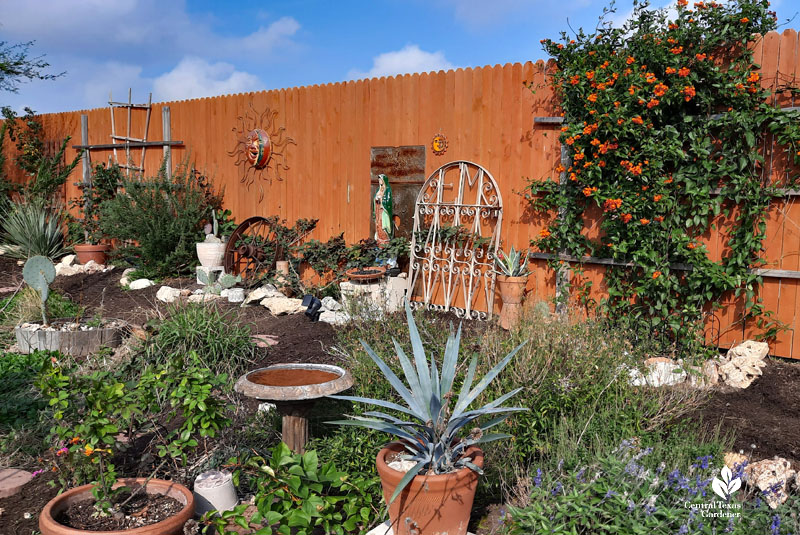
435	495
512	276
211	251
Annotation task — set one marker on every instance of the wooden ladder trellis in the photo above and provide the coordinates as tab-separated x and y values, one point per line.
127	139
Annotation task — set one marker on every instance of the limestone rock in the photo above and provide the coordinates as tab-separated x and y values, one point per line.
283	305
402	465
734	460
743	364
234	295
64	270
167	294
203	298
268	290
711	372
68	260
773	476
334	318
661	371
329	303
140	284
749	349
124	280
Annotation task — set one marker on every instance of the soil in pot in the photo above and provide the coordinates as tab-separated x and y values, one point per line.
143	510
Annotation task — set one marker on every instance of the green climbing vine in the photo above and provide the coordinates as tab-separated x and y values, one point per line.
663	121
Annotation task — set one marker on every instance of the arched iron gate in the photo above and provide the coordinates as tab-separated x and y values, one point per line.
457	220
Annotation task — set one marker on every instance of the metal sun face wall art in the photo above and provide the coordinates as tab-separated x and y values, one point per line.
260	151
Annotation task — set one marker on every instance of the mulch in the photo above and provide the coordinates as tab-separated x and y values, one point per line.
763	418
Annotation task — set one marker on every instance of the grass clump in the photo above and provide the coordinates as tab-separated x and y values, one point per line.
221	341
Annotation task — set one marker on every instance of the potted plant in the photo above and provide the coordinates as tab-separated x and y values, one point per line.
211	251
512	277
434	491
102	187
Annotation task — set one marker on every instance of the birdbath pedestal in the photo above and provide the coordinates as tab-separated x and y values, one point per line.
294	388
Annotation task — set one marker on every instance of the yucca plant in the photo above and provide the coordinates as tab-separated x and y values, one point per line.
513	264
434	436
34	229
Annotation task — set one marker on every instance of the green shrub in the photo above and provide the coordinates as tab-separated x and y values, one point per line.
221	342
20	403
25	306
34	228
159	220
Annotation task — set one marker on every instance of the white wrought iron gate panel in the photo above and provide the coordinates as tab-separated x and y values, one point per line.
457	220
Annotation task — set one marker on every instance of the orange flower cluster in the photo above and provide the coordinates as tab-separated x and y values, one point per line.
637	120
744	20
630	60
575	80
607	146
612	204
683	3
670	70
589	129
657	198
631	168
677	50
660	90
626	218
544	233
587	191
754	77
644	221
653	103
691	246
589	75
689	93
684	72
592	97
595	142
668	181
650	78
656	274
632	90
673	26
579	156
700	57
659	218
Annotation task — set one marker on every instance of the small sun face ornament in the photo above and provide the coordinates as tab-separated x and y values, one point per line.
439	144
259	148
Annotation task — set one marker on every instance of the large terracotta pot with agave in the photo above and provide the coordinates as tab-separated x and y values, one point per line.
89	251
429	505
512	289
173	525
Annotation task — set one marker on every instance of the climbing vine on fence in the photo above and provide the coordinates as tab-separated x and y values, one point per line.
663	120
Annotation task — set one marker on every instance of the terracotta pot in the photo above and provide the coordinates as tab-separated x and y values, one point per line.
171	526
430	505
210	254
511	291
87	251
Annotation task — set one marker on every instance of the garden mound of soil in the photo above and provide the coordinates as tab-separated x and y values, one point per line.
29	501
765	415
142	510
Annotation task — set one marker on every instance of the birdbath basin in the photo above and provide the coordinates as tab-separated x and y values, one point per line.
294	388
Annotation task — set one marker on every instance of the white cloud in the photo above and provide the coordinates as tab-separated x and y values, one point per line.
410	59
115	44
195	77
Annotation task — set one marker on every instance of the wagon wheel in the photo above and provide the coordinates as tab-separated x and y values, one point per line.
251	251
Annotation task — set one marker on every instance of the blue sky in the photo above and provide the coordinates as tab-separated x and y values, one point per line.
187	49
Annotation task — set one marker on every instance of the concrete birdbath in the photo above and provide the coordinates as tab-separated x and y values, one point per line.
294	388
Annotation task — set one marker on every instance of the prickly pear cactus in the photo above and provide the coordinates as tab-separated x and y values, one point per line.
39	272
229	281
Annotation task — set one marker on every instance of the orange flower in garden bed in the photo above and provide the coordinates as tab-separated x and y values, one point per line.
689	93
684	72
660	90
677	50
670	70
659	218
611	204
644	221
653	103
587	191
544	233
657	198
626	218
656	274
754	77
637	120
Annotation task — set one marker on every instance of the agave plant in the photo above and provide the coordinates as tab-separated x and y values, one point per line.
33	228
513	264
433	438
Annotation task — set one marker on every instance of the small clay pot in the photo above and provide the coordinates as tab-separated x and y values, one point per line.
87	251
171	526
512	289
437	504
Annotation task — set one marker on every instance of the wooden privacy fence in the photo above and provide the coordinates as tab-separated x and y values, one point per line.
488	117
